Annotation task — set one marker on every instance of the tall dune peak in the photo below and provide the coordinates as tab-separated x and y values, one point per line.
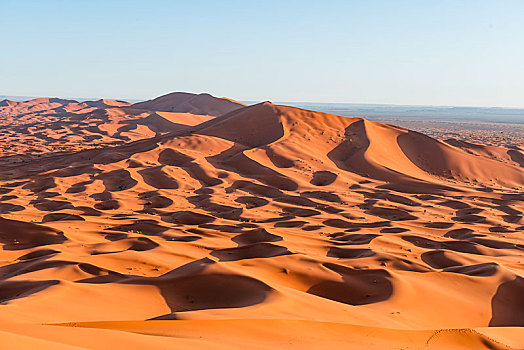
356	145
185	102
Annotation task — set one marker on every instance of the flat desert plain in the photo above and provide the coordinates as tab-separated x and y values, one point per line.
198	222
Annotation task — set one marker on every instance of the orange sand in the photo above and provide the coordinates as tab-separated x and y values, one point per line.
195	221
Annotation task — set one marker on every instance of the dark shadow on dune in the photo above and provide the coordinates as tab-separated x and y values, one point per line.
255	189
17	235
391	214
117	180
290	224
100	275
61	217
454	204
442	259
6	208
176	158
183	238
252	202
461	234
277	219
236	161
296	200
212	291
4	190
40	184
458	246
44	204
38	254
204	190
257	235
155	177
477	270
323	178
349	253
500	229
143	226
339	223
495	244
222	228
278	160
512	219
88	211
322	195
148	228
468	211
359	287
109	204
394	230
439	225
418	187
198	173
154	200
507	305
173	157
79	187
139	244
508	210
439	259
192	287
311	227
251	251
390	197
187	218
301	212
354	146
352	238
469	218
204	202
425	152
114	237
30	265
10	290
516	156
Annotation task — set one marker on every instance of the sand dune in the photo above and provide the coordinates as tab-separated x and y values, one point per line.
267	226
183	102
35	128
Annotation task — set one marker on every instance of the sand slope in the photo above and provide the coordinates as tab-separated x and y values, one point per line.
267	226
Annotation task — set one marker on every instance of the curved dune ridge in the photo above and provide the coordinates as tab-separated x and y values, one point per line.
259	226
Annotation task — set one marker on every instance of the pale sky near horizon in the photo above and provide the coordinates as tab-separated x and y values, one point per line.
454	53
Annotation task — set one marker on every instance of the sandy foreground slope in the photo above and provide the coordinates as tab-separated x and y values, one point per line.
266	226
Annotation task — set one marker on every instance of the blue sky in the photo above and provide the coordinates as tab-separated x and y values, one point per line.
399	52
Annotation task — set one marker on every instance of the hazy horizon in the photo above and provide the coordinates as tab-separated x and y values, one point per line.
379	112
21	98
